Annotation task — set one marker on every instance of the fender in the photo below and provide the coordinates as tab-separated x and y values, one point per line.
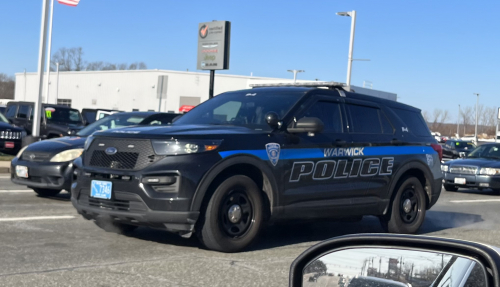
404	168
233	160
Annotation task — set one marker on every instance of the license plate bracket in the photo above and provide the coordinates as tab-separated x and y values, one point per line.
101	189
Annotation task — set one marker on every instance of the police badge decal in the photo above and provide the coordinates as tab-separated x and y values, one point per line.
273	152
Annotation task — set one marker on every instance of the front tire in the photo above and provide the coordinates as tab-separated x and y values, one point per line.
407	212
47	192
233	216
450	187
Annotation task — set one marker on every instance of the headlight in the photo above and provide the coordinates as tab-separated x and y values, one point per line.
88	142
21	152
489	171
67	155
445	168
175	147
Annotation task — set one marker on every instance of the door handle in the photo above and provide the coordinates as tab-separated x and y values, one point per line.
339	142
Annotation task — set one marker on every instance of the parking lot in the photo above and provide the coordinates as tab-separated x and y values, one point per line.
45	243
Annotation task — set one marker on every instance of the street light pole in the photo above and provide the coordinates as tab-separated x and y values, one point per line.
477	104
57	86
458	123
351	14
49	48
295	74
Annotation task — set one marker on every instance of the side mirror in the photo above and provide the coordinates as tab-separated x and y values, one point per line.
272	120
307	125
393	260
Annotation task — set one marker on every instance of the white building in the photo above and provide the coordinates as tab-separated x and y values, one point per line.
138	89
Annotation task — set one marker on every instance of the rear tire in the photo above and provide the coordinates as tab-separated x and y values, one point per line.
114	227
407	211
233	217
47	192
450	187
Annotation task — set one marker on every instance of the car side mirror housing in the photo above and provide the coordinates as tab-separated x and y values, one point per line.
307	125
273	120
395	260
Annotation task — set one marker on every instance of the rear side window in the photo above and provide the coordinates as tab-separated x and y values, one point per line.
364	119
23	111
11	111
413	121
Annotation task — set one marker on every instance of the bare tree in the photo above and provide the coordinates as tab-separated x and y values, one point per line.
426	116
7	86
77	54
122	66
95	66
467	115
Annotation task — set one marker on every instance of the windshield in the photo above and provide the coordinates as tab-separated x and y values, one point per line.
486	151
63	116
246	109
112	122
463	145
3	119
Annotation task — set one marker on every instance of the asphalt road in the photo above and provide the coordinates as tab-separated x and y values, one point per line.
43	242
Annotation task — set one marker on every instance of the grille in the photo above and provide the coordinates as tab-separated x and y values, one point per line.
114	204
132	154
464	169
35	156
9	135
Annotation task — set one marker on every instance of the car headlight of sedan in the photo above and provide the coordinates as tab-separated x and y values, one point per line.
489	171
67	155
20	153
445	168
177	147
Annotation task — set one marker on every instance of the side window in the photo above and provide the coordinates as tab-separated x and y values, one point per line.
23	111
329	113
387	127
11	111
414	122
365	119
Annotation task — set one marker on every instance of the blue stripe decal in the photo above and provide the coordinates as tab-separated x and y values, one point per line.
308	153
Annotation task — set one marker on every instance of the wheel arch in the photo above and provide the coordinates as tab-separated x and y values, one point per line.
417	169
237	165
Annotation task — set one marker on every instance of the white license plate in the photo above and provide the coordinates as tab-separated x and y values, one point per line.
101	189
459	180
22	171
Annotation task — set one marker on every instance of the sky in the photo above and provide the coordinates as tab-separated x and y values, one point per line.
433	54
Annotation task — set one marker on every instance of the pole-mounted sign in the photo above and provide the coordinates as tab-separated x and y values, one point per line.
213	48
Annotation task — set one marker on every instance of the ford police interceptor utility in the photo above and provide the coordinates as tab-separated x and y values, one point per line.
268	153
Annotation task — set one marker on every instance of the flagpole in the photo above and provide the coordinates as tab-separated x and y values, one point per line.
47	90
41	60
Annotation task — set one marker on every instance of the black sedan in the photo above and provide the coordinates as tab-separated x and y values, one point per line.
453	148
480	169
47	166
11	138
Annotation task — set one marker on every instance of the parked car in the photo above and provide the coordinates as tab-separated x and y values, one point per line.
479	169
46	166
453	148
92	115
11	138
57	121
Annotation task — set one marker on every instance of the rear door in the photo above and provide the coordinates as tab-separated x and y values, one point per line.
371	130
316	171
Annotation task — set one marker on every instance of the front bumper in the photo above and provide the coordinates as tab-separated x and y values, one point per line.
472	180
49	175
4	143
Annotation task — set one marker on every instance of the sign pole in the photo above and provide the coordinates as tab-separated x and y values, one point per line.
211	88
496	130
41	61
161	93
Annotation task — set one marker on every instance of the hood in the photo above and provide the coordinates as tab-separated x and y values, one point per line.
176	130
4	126
57	145
481	162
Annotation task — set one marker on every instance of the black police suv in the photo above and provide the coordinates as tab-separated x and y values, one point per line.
246	157
479	169
11	138
57	121
47	166
453	148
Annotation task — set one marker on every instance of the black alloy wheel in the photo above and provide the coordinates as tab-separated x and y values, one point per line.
236	213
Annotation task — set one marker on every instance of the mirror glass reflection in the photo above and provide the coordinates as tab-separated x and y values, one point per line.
384	267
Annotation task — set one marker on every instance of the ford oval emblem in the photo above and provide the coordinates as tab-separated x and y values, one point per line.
111	151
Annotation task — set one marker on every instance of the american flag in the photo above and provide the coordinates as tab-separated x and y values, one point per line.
69	2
